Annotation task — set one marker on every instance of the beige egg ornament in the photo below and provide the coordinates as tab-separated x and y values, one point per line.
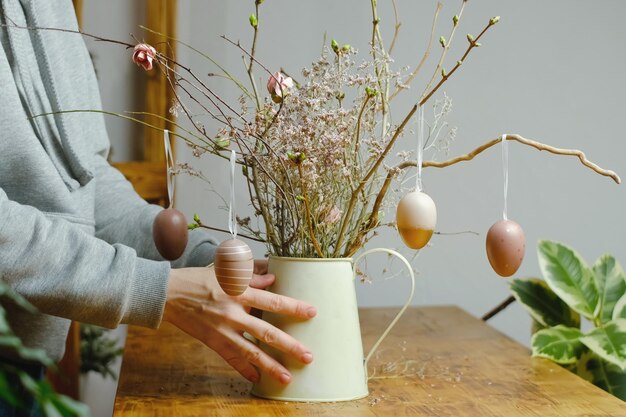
416	217
234	265
506	245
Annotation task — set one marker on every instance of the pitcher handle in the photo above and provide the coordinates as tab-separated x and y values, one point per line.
404	307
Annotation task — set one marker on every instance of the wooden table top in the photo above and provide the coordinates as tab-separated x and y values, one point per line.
438	361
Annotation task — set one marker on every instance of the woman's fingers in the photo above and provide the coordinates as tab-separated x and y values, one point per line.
260	266
267	301
276	338
231	354
252	354
262	281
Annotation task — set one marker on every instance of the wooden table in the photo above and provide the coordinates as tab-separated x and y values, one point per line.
438	361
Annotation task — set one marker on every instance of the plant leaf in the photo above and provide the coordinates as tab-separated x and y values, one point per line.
611	284
560	344
6	390
569	277
619	311
543	305
603	374
609	342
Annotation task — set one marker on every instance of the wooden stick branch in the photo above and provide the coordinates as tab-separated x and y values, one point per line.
373	220
537	145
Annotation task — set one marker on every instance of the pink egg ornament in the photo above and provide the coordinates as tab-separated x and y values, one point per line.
506	245
170	233
234	265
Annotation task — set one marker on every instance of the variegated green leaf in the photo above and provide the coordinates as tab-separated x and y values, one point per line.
543	304
536	326
569	277
619	311
609	342
611	284
603	374
559	344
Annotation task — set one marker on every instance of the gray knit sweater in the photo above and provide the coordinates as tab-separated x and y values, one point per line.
75	239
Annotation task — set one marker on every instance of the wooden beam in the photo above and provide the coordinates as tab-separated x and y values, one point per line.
161	17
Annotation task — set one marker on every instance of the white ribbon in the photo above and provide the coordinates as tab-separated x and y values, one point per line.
505	167
232	219
169	162
420	147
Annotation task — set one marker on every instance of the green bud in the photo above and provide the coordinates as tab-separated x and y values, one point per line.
222	142
443	72
455	20
340	95
459	63
259	2
442	41
300	197
478	45
192	226
371	92
345	48
196	218
335	46
494	20
253	21
244	170
470	38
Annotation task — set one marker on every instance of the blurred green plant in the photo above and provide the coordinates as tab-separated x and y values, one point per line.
98	351
572	289
51	403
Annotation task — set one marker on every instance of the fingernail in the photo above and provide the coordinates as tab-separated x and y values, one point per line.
307	358
311	312
285	378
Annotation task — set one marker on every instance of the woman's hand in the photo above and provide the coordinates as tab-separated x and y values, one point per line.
197	305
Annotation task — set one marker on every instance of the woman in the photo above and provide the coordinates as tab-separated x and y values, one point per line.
75	239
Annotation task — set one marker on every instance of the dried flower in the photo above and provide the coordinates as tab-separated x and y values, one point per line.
143	55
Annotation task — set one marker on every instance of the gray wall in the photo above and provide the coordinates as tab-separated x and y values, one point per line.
551	71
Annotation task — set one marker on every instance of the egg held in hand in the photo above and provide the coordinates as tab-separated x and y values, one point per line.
506	245
234	265
416	217
170	233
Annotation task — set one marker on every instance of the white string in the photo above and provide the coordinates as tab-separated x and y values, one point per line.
420	147
232	219
169	162
505	167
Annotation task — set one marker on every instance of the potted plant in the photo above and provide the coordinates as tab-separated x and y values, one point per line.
571	291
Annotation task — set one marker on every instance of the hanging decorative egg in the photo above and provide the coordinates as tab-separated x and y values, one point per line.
170	233
506	245
416	218
234	265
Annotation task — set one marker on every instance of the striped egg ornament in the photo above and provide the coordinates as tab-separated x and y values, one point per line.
234	265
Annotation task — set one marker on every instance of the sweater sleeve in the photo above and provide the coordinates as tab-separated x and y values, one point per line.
66	272
122	216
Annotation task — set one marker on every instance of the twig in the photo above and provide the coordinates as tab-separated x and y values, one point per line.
396	28
537	145
252	51
419	66
472	44
226	231
497	309
316	244
446	47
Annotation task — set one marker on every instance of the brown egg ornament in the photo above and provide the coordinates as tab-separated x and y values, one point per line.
234	265
416	217
170	233
506	245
